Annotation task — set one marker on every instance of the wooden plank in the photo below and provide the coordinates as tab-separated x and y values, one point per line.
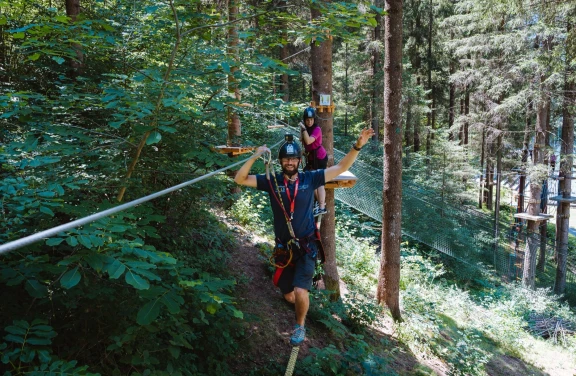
233	150
529	217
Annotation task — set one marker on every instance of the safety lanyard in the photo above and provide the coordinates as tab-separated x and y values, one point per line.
280	202
290	200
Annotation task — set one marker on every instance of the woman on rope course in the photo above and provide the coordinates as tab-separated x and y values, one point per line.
316	156
291	195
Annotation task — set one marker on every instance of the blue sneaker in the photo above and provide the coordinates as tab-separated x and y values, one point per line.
298	335
318	211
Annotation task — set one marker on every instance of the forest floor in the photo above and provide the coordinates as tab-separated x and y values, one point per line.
269	320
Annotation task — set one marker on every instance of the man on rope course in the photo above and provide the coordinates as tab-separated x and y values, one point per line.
297	240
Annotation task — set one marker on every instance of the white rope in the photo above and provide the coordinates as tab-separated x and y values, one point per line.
5	248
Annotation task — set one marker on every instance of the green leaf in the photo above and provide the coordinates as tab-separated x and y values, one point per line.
95	261
18	35
12	329
44	356
153	138
85	241
174	351
34	56
211	308
136	281
13	338
46	194
167	129
171	304
46	210
71	278
72	241
39	341
148	313
116	269
63	19
35	288
54	241
58	59
237	313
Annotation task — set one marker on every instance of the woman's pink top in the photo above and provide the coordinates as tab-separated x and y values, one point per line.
317	144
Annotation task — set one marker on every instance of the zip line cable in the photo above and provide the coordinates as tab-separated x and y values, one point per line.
5	248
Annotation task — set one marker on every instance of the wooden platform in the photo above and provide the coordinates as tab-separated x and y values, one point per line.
344	180
537	218
233	151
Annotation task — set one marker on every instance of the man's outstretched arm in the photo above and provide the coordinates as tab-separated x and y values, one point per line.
242	176
331	172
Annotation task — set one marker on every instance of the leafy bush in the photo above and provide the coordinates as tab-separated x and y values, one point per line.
27	351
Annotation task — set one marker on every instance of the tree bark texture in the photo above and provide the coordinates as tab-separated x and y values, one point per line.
376	68
482	176
452	103
77	65
234	126
532	238
389	277
321	68
284	53
430	114
566	161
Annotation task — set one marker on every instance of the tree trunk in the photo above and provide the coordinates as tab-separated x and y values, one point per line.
234	127
482	176
532	241
76	65
430	115
544	118
321	67
284	53
408	137
566	160
346	88
416	124
375	75
389	277
497	201
466	113
452	102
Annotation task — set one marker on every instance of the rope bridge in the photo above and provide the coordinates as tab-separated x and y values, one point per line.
463	233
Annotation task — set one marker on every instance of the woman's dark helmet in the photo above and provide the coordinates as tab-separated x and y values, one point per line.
309	112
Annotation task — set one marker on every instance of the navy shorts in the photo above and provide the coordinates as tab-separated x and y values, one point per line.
301	274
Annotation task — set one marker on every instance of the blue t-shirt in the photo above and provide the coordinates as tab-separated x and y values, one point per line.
303	219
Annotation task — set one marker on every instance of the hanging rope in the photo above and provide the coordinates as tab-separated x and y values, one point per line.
4	248
292	361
